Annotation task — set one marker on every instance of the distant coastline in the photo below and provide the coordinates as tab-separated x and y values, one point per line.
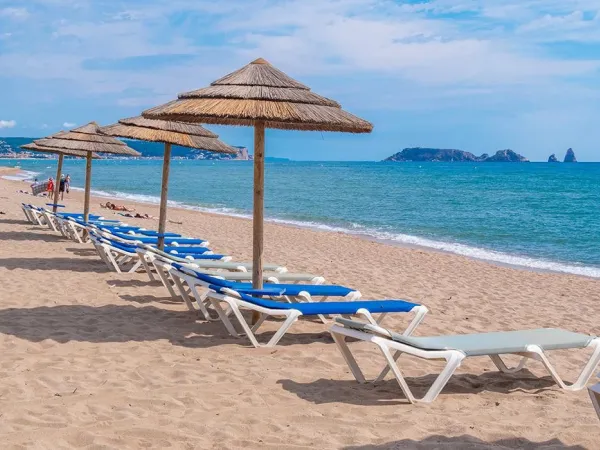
10	148
420	154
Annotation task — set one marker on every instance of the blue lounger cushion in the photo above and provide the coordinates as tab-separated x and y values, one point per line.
127	229
290	289
153	240
131	249
313	309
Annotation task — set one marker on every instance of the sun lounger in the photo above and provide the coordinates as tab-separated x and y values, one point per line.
29	216
186	279
122	257
237	301
595	396
172	254
529	344
177	241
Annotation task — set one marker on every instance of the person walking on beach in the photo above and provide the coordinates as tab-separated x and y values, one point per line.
61	187
50	187
67	183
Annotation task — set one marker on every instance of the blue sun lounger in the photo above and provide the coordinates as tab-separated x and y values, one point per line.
306	288
284	290
250	300
122	257
136	230
154	240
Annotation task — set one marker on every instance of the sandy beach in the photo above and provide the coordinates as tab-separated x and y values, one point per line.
94	359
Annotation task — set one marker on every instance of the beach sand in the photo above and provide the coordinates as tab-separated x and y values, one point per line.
93	359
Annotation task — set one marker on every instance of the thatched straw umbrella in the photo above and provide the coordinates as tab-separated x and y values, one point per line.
169	133
262	96
89	139
61	154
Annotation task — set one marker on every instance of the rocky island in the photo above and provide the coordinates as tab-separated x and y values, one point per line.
419	154
570	156
552	158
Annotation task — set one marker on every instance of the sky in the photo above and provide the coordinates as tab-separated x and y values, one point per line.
476	75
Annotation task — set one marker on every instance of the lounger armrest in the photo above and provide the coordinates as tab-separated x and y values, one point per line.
270	292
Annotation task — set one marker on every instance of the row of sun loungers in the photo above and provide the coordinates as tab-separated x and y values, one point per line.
220	289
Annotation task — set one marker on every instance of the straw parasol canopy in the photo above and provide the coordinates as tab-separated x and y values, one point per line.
88	139
38	148
175	133
262	96
61	154
169	133
260	92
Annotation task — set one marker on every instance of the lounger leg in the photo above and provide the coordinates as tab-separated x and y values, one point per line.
199	302
112	260
282	330
499	363
164	277
183	294
136	266
340	340
585	374
225	317
243	324
147	267
452	363
308	299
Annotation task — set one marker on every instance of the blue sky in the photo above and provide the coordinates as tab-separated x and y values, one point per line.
478	75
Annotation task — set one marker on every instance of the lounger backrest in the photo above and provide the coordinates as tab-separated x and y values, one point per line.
203	277
265	303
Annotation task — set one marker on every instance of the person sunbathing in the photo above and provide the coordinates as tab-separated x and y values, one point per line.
113	207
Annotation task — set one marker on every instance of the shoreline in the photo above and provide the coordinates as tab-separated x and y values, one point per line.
500	259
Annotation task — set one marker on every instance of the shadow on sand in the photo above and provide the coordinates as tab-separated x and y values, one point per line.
112	323
67	264
29	236
466	442
14	221
388	392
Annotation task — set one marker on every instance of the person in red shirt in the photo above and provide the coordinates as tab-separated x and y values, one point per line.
50	187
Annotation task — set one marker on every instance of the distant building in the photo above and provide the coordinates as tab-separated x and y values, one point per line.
242	154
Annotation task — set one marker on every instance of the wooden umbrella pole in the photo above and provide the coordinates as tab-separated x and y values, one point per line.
88	183
162	218
259	197
57	181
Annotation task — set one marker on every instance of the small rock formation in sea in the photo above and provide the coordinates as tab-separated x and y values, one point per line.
452	155
570	156
507	155
552	158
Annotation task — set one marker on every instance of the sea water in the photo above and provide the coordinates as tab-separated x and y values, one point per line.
538	215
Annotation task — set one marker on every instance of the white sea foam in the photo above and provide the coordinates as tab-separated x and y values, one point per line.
398	238
24	175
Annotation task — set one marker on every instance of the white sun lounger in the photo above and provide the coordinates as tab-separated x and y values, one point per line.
186	281
151	254
290	312
529	344
27	210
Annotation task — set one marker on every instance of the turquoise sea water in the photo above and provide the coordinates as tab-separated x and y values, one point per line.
540	215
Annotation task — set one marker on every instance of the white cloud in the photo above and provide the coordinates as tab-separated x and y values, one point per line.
7	124
44	126
69	124
14	13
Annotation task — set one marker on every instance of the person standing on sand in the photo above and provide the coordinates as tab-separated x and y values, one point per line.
50	187
61	187
68	183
